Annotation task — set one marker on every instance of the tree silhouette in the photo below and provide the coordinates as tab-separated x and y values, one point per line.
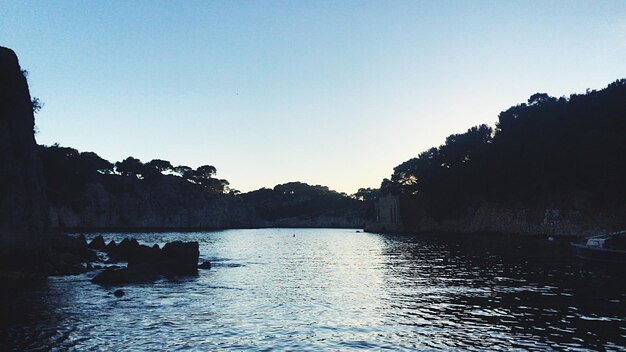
90	162
155	168
205	172
67	171
160	165
546	148
300	200
184	171
203	175
130	167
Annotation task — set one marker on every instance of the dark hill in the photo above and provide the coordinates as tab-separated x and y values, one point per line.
552	165
297	204
90	193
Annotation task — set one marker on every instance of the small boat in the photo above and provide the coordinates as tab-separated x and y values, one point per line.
606	247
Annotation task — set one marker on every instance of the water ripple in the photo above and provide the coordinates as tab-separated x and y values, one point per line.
336	290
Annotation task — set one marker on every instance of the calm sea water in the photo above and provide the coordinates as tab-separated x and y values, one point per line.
336	289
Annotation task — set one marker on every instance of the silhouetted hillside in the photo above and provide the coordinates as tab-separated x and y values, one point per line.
300	204
89	192
561	153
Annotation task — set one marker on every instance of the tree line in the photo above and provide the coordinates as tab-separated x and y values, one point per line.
298	200
67	171
542	150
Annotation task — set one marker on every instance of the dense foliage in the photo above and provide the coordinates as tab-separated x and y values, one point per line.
299	200
73	179
67	172
545	148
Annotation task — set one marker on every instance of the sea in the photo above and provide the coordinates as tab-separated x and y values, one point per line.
335	290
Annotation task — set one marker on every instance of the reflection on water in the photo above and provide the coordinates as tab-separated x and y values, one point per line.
337	290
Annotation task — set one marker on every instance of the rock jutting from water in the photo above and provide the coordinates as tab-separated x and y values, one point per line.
148	264
97	243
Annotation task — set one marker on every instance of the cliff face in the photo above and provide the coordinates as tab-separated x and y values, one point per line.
553	219
23	206
169	202
511	220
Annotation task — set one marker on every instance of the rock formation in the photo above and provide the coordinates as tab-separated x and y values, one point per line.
24	220
147	264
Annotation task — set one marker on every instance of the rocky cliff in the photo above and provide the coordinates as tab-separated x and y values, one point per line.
511	220
553	219
125	204
170	203
23	206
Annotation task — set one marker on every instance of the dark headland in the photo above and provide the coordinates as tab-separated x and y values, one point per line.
24	217
551	166
30	247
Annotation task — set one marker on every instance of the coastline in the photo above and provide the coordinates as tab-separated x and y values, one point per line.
98	230
518	220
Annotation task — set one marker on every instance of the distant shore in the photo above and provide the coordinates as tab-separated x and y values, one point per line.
186	229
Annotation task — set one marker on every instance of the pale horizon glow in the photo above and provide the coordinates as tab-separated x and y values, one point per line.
322	92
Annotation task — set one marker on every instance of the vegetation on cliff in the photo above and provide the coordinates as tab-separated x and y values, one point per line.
68	172
302	201
547	148
87	191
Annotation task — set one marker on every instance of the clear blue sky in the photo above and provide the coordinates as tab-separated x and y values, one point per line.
325	92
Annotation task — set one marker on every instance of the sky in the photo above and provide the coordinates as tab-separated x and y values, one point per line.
335	93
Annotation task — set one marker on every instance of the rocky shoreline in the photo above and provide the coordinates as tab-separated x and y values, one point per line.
128	262
491	218
145	263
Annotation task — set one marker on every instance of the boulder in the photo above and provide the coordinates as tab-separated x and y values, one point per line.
110	247
147	264
124	250
143	255
205	265
143	273
180	258
97	243
129	250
